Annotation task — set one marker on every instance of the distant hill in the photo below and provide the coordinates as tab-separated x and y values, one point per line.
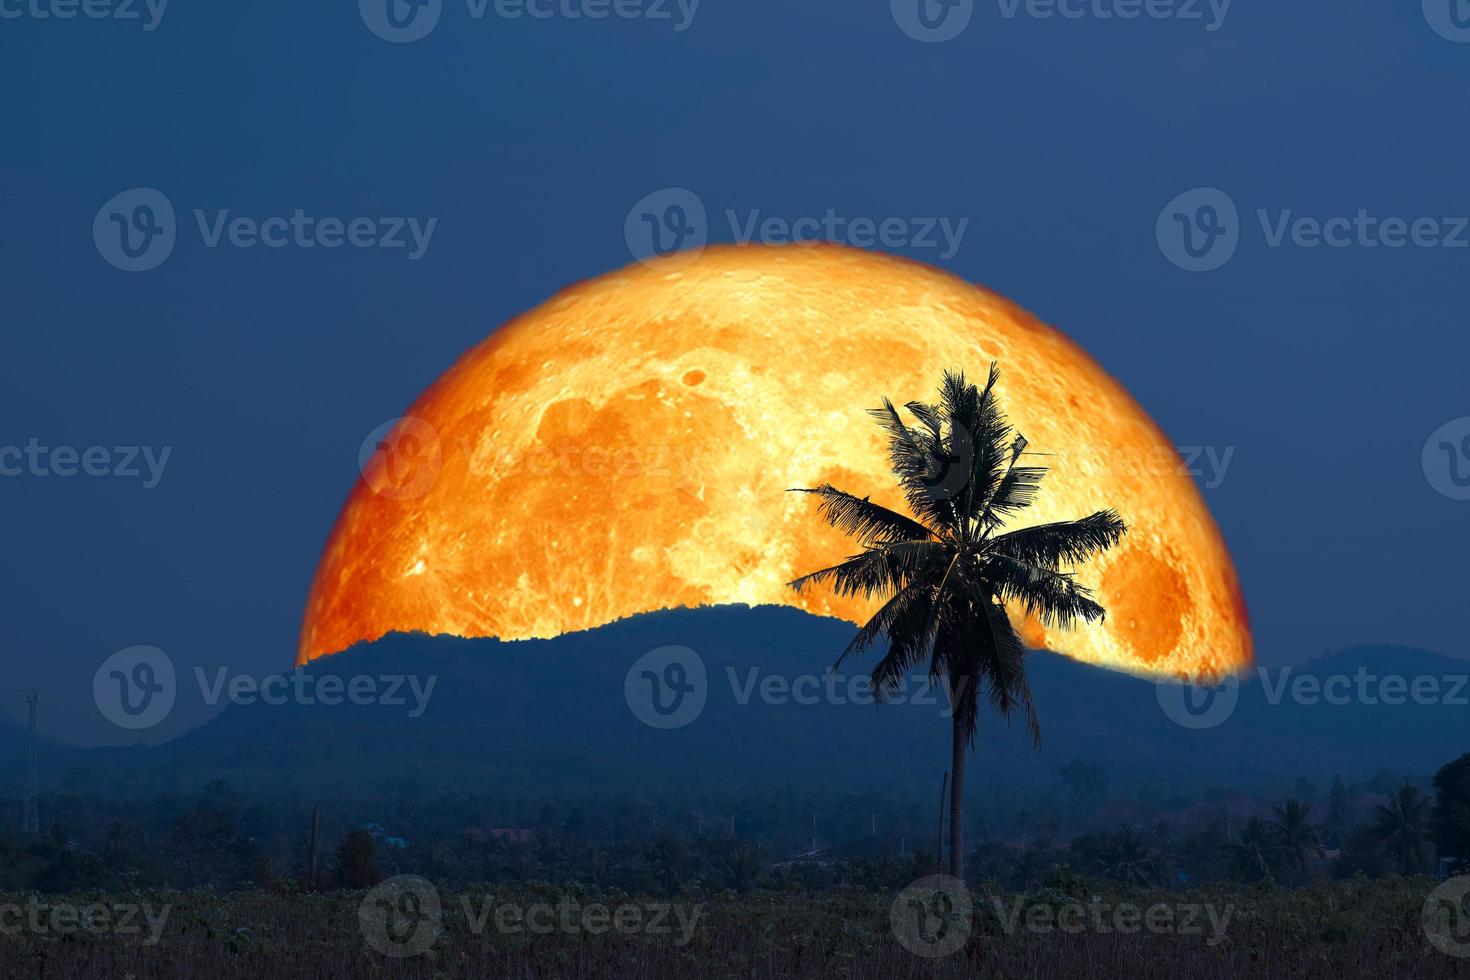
552	716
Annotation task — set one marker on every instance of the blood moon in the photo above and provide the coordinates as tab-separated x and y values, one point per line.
627	446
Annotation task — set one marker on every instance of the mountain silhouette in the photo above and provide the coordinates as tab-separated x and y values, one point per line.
563	716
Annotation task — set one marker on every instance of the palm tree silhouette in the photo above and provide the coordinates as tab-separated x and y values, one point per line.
946	573
1401	828
1125	855
1297	838
1250	856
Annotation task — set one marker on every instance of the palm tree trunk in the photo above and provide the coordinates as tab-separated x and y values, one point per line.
939	837
957	801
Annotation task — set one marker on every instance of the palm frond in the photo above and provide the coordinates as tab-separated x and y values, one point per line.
909	641
863	519
882	622
882	569
1062	542
1005	670
1016	490
1055	598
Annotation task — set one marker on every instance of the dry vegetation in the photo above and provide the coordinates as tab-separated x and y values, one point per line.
1338	929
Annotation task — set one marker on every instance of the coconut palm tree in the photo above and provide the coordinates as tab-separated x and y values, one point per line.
1250	856
1402	828
1125	855
1297	838
947	573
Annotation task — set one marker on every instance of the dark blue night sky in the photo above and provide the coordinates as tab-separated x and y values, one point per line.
527	140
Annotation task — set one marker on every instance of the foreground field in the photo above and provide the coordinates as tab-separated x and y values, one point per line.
408	929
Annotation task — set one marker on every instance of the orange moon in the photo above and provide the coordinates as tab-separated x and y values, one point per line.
627	447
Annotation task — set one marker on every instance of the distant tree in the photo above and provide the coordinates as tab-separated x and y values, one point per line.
1251	853
1361	854
1402	828
207	850
1125	855
1205	853
741	865
68	871
1164	837
118	853
1339	820
994	860
670	859
1452	810
357	864
1296	839
946	575
1033	865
